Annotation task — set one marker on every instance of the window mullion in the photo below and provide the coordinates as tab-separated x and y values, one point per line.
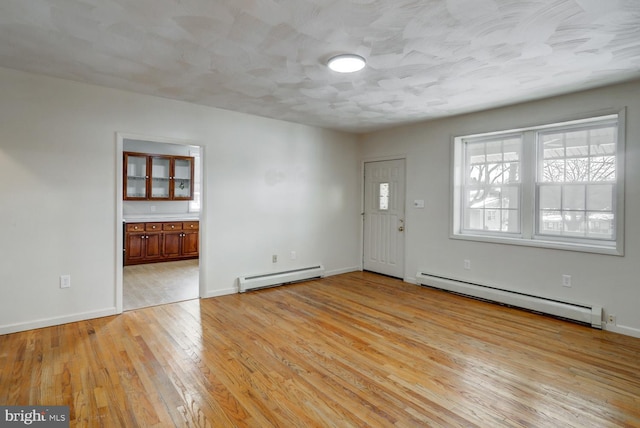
529	169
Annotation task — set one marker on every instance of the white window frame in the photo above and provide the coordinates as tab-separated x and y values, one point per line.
492	139
195	205
528	235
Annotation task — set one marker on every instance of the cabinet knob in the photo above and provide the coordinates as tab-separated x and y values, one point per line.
173	227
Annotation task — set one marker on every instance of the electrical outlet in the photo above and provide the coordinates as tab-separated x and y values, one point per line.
65	281
566	280
611	319
467	264
274	258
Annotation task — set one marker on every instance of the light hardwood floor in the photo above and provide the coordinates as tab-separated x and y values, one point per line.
348	351
159	283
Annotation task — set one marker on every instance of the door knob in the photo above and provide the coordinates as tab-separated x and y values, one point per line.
401	229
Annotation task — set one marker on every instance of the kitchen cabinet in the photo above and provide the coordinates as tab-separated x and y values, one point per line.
190	240
142	243
157	177
136	176
152	242
181	239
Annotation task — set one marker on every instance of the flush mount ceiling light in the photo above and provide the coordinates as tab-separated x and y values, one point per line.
347	63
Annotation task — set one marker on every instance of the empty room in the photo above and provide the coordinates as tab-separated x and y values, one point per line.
444	233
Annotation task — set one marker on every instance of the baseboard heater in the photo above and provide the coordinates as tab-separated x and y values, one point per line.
586	314
253	282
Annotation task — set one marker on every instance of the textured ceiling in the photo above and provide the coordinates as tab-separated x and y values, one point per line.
426	58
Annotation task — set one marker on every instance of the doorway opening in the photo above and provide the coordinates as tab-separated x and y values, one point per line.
159	203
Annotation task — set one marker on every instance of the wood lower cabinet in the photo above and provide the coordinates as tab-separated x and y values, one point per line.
161	241
171	245
142	245
190	244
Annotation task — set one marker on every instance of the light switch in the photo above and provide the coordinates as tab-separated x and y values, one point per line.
65	281
418	203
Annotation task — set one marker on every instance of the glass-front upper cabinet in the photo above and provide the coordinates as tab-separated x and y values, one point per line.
136	176
158	177
183	178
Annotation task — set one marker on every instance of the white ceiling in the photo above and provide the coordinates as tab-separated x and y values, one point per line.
426	58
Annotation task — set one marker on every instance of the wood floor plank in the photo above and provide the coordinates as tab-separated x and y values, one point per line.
351	350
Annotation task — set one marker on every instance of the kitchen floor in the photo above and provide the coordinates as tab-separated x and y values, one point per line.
159	283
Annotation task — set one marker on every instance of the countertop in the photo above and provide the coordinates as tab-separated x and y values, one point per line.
159	218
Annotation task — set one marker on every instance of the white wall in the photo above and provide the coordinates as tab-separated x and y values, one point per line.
612	281
269	186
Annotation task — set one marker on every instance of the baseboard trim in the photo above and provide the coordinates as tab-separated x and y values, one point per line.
627	331
341	271
50	322
219	293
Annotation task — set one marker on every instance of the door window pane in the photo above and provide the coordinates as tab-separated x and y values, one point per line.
383	201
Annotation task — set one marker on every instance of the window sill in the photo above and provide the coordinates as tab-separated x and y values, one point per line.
543	243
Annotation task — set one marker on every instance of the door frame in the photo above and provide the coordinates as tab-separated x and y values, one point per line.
366	160
120	137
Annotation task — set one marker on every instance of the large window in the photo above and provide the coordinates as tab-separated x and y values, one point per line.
558	185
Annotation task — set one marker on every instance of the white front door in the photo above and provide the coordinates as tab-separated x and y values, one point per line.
384	202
